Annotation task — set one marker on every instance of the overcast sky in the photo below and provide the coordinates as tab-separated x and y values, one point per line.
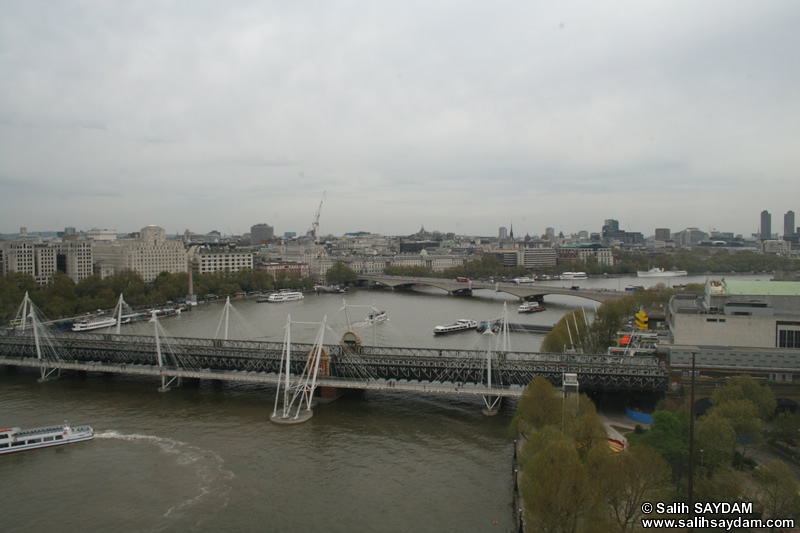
461	116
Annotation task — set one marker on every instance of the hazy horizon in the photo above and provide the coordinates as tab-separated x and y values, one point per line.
460	116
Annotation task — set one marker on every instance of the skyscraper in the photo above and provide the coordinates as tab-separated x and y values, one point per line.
766	226
788	224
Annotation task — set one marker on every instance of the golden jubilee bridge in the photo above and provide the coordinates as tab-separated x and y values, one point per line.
307	371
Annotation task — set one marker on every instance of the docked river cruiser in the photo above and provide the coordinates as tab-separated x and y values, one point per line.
463	324
530	307
17	440
285	296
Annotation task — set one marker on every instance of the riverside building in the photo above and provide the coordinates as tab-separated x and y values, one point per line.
149	255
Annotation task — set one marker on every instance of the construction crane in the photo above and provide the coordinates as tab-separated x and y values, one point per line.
315	224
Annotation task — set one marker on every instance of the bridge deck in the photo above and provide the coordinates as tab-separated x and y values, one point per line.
410	369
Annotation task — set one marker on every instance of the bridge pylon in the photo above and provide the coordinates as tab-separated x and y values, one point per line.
298	390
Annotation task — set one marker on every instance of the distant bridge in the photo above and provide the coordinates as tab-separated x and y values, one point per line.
523	291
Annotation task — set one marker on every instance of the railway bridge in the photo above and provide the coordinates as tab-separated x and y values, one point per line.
324	370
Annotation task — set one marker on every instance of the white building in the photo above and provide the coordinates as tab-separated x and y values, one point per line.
38	260
752	324
149	255
207	260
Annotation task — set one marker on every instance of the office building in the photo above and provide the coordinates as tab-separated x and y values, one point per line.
765	231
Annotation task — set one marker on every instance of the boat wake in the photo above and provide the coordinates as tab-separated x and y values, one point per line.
215	480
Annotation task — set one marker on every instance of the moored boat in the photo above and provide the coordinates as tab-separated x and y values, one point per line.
97	323
285	296
531	307
17	440
574	275
522	281
656	272
463	324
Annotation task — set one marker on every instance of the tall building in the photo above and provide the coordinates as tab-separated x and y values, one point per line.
766	226
503	233
261	233
149	255
662	234
38	260
74	258
788	224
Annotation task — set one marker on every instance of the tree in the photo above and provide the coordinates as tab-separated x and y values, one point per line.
786	426
745	387
539	406
669	434
625	481
715	440
341	274
778	490
743	418
555	489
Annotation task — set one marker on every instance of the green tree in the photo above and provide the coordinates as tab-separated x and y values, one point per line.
669	434
786	426
342	274
778	490
743	418
555	489
715	442
624	481
745	387
540	405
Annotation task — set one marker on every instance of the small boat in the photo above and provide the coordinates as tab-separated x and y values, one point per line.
656	272
97	323
574	275
378	316
462	324
531	307
285	296
17	440
493	326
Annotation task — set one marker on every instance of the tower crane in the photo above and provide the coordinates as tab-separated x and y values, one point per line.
315	224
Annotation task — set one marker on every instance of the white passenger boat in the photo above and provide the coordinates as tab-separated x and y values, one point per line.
285	296
522	281
656	272
574	275
17	440
531	307
378	316
463	324
97	323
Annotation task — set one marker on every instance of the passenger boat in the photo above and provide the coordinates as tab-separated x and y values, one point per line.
161	313
574	275
97	323
462	324
522	281
17	440
285	296
656	272
378	316
531	307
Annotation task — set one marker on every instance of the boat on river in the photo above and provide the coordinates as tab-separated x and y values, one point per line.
97	323
656	272
463	324
17	440
285	296
378	316
531	307
574	275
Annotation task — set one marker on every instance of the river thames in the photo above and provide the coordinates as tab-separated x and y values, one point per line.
206	457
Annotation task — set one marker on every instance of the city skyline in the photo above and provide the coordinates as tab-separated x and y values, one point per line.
459	117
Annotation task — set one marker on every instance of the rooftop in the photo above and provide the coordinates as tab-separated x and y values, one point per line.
754	288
